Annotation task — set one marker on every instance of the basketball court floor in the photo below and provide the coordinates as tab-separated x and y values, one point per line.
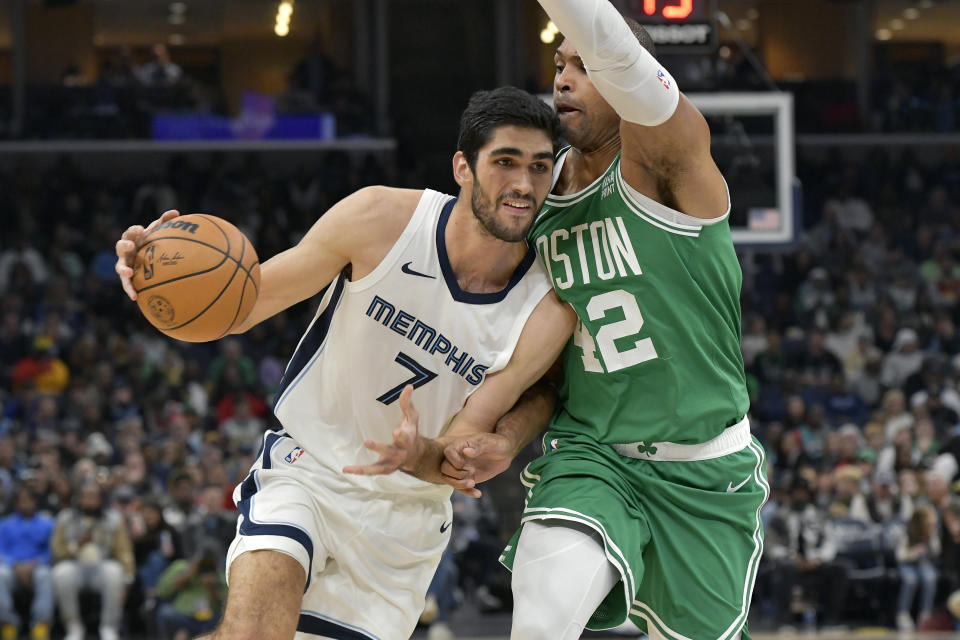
865	634
468	624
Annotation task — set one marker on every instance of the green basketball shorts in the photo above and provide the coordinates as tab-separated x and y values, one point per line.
681	524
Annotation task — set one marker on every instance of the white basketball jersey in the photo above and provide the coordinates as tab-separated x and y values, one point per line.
407	322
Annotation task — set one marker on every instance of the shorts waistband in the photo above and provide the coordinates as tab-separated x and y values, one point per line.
731	440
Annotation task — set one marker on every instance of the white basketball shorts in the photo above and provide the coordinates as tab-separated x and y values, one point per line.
369	557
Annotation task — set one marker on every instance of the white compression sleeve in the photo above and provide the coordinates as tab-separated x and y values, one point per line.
560	576
638	88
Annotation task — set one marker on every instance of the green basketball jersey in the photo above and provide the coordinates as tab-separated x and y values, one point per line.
656	355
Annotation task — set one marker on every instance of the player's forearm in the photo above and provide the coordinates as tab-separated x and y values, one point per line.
529	416
285	280
628	76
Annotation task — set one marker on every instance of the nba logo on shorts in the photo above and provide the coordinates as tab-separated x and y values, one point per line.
294	455
554	444
662	77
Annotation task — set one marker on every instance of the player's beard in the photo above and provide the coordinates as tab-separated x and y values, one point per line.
485	211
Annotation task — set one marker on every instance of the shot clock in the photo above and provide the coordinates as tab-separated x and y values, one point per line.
678	25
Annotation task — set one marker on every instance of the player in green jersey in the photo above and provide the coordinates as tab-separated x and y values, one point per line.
646	502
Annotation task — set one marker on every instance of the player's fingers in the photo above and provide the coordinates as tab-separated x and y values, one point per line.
466	487
125	249
353	469
448	469
385	450
459	485
470	493
368	470
406	404
166	215
132	233
454	453
128	287
402	438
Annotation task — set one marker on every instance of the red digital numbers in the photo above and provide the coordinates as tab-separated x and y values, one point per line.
677	10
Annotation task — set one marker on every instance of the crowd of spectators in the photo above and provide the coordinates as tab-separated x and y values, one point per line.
918	96
852	350
130	442
120	449
133	85
129	87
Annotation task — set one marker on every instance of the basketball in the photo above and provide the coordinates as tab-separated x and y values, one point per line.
196	276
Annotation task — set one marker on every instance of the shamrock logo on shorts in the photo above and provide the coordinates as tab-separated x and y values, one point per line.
648	449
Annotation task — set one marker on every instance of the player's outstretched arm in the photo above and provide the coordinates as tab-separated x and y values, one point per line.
663	135
361	227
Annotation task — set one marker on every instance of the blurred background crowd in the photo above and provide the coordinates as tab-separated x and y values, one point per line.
851	344
120	448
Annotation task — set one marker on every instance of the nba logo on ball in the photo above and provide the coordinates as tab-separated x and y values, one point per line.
294	455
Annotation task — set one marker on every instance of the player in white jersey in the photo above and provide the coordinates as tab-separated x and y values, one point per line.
425	290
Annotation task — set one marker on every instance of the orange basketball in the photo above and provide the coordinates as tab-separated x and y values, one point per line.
196	277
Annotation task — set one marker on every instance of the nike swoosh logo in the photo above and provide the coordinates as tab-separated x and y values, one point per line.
445	526
732	489
406	269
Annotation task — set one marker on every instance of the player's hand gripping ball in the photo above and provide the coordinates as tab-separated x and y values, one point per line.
196	276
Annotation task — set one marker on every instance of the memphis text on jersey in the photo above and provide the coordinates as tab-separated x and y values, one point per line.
427	338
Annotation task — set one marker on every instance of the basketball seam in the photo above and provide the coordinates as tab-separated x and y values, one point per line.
243	252
226	256
238	262
256	289
219	228
225	287
201	242
236	314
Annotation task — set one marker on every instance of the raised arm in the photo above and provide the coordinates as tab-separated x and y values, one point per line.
665	140
357	230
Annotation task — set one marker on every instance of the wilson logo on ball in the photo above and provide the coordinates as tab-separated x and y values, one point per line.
161	309
189	227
